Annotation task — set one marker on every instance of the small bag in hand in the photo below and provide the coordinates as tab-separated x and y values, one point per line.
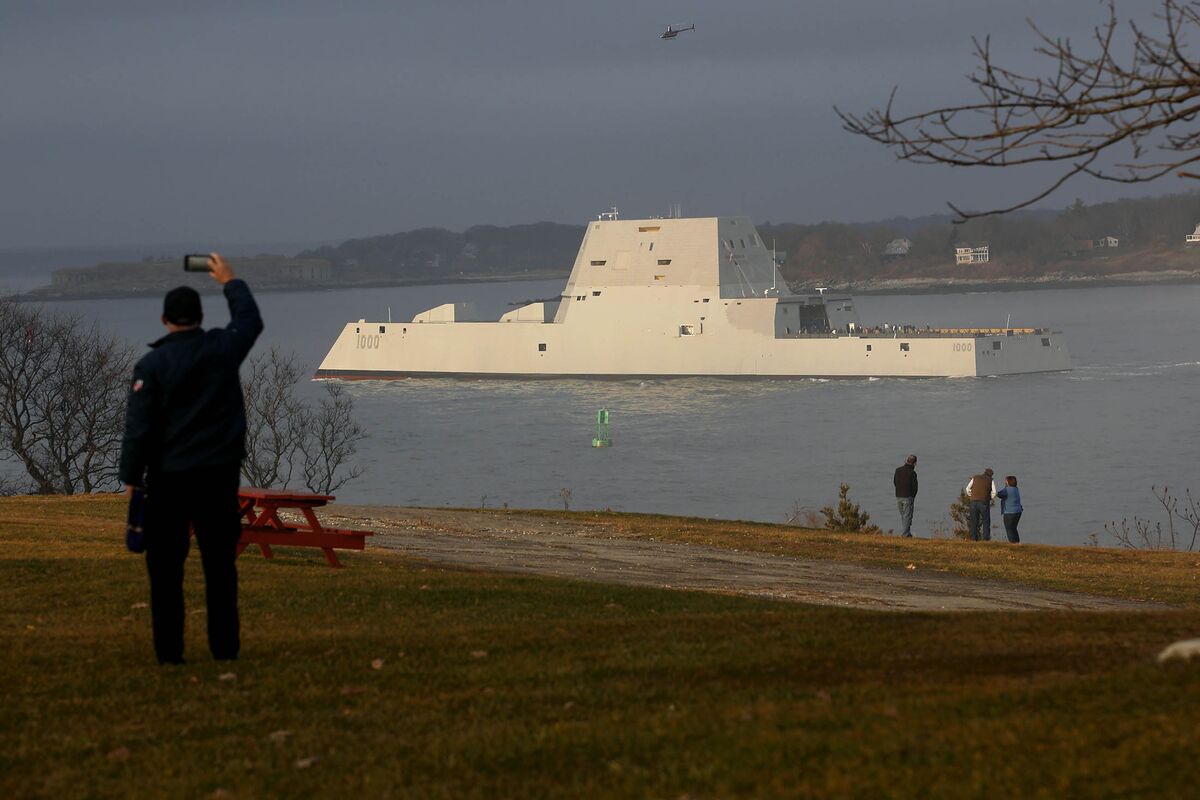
135	535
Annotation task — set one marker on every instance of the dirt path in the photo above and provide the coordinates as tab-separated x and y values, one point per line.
569	549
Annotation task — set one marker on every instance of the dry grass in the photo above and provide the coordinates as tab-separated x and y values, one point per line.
503	687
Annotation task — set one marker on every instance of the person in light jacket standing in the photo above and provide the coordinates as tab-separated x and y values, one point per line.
981	489
1010	508
905	481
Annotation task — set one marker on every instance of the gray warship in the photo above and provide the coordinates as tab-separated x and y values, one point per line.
679	297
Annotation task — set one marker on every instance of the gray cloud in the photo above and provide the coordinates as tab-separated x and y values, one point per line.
152	121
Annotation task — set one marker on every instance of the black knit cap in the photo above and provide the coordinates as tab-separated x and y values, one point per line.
181	306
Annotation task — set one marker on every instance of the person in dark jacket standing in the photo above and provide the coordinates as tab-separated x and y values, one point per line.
905	480
185	432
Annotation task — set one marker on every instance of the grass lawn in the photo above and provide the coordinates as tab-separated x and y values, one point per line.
490	686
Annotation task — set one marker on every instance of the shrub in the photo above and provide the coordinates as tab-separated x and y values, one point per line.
848	517
960	516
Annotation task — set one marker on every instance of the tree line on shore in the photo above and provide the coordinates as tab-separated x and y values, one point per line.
434	253
1027	244
1024	245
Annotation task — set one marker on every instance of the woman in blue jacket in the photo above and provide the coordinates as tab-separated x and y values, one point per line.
1010	508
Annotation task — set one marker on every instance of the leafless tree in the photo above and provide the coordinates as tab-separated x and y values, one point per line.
284	431
62	399
63	388
1123	117
1148	534
84	414
277	419
332	439
12	485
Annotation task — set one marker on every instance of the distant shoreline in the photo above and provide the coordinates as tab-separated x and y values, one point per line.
932	286
40	295
911	286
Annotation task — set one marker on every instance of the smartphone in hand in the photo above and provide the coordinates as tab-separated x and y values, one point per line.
197	263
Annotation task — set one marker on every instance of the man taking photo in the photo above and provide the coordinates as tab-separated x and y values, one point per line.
185	432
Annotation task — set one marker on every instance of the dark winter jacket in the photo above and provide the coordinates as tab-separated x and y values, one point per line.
185	407
906	481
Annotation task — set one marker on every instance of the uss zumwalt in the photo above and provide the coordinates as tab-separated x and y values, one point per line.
679	297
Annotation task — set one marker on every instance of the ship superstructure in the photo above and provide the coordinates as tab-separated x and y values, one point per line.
676	298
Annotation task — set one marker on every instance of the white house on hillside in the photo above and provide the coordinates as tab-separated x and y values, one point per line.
897	248
966	254
1193	237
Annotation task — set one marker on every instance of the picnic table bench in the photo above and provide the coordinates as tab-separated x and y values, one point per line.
259	509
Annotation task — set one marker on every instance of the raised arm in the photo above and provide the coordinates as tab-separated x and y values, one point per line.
245	323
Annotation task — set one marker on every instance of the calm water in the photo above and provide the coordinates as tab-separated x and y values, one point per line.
1086	445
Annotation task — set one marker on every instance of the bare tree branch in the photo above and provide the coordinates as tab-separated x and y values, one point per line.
283	430
276	419
1147	534
62	397
333	439
1086	111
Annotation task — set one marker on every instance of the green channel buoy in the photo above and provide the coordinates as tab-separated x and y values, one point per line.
602	439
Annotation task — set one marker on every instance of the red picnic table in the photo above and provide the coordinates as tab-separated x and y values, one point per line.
262	526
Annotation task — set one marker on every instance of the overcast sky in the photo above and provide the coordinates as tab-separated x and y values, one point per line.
160	121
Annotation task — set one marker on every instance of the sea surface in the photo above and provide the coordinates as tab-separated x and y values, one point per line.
1087	446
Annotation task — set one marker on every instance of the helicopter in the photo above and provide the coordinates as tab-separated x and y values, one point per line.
671	33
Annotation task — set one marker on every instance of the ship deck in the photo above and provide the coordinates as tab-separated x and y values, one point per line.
923	333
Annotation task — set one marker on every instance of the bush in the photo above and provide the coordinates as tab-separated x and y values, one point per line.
960	516
848	518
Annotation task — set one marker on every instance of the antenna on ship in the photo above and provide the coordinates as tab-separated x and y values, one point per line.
774	265
389	313
610	215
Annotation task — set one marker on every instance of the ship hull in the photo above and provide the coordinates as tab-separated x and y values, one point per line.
678	298
502	351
